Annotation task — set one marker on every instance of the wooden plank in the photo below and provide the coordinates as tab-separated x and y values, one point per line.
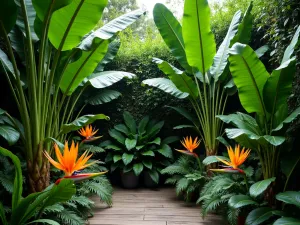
173	211
120	211
174	218
122	222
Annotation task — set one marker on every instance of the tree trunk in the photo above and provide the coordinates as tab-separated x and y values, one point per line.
38	175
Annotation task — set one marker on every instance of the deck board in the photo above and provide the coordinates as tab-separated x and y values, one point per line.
149	207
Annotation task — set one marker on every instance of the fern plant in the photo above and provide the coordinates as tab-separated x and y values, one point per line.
219	189
186	175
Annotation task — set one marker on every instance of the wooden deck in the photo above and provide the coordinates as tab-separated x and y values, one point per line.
149	207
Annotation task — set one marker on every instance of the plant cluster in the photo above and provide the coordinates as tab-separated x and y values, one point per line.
137	147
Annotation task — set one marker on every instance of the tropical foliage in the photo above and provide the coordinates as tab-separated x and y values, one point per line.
59	62
204	79
137	147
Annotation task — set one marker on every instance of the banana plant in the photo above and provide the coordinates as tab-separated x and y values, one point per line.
51	56
205	79
29	210
266	95
7	130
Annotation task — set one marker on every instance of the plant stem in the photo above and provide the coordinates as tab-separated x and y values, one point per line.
246	182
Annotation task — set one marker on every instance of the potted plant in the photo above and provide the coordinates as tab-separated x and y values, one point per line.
137	148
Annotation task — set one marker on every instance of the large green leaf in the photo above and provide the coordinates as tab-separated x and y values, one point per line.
41	7
6	63
77	71
148	153
117	158
221	58
242	121
142	125
251	140
245	28
186	114
287	221
127	158
171	31
138	168
81	122
111	53
167	86
154	175
8	15
47	221
259	187
249	75
108	78
259	215
130	143
238	201
289	197
153	130
200	46
69	24
122	128
279	86
147	163
117	135
18	181
290	49
166	67
53	194
166	151
213	159
103	97
185	84
288	120
110	29
9	134
130	122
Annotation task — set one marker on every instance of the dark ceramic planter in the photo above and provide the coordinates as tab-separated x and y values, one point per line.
148	182
241	220
129	180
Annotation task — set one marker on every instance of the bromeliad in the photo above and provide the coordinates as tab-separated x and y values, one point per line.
237	158
190	146
69	163
88	132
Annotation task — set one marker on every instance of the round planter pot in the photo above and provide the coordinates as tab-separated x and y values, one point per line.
148	182
241	220
129	180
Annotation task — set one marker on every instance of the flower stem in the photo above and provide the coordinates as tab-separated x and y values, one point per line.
246	182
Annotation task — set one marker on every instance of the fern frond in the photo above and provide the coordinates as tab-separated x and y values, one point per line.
92	148
82	200
182	185
69	217
53	209
232	215
6	182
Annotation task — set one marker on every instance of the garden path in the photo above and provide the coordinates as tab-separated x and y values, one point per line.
149	207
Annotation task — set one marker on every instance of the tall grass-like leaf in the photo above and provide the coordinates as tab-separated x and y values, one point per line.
290	49
200	46
171	31
143	124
